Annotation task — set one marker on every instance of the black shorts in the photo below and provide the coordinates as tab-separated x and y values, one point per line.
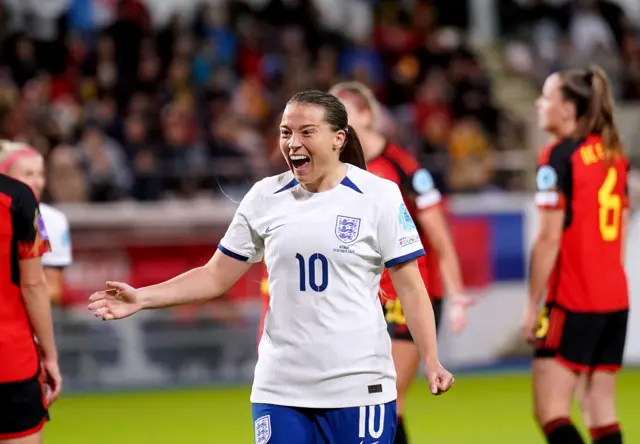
396	322
583	342
23	410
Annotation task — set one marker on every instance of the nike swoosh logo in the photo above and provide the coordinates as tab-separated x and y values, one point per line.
270	229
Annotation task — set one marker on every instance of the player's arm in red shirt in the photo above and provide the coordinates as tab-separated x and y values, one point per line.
553	183
432	220
32	242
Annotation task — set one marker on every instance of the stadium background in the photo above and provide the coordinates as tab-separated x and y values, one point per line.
157	115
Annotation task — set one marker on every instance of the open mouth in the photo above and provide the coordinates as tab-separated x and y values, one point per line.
300	162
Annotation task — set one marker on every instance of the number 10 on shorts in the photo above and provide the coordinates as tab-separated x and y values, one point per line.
369	423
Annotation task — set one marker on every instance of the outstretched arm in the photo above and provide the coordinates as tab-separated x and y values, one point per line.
197	285
240	247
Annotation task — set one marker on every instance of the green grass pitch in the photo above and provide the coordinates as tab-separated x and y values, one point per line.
482	409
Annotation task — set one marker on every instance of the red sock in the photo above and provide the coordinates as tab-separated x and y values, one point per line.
609	434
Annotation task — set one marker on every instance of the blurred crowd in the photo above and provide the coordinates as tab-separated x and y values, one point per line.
129	104
548	35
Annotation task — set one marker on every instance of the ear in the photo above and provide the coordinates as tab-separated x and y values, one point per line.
339	140
369	117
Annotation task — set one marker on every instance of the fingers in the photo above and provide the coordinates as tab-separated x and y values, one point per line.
54	384
445	382
94	306
441	382
530	337
98	295
101	309
529	333
434	384
104	313
118	286
55	388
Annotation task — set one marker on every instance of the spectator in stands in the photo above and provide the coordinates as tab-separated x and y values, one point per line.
186	104
66	180
107	171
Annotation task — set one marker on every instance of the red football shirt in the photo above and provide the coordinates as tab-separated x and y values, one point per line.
22	236
574	176
420	194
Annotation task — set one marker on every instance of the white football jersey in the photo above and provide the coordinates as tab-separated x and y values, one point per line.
325	342
57	226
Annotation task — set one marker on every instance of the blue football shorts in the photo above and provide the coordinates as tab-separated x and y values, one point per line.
274	424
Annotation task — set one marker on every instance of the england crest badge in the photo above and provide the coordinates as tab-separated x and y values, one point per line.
347	229
263	429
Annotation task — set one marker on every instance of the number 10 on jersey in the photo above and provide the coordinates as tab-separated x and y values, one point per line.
308	271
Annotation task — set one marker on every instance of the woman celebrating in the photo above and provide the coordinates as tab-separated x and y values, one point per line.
327	229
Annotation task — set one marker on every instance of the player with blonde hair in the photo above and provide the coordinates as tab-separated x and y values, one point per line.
24	163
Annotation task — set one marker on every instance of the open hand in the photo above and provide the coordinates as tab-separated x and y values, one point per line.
118	301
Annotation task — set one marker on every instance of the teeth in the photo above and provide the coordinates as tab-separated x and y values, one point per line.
298	157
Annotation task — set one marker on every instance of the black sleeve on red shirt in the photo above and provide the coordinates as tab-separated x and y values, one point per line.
554	176
29	231
423	188
417	185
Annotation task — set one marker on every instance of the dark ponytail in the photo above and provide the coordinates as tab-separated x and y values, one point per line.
589	90
335	115
352	149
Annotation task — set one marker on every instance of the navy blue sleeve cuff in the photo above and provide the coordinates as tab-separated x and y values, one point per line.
406	258
232	254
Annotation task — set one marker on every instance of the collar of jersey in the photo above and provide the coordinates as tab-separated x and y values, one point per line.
345	182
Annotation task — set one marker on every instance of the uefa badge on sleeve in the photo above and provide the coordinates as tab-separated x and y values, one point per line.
546	178
263	429
422	181
405	220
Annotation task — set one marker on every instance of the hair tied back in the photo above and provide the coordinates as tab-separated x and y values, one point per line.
588	77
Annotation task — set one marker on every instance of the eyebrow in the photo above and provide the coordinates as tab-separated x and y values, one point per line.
309	125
